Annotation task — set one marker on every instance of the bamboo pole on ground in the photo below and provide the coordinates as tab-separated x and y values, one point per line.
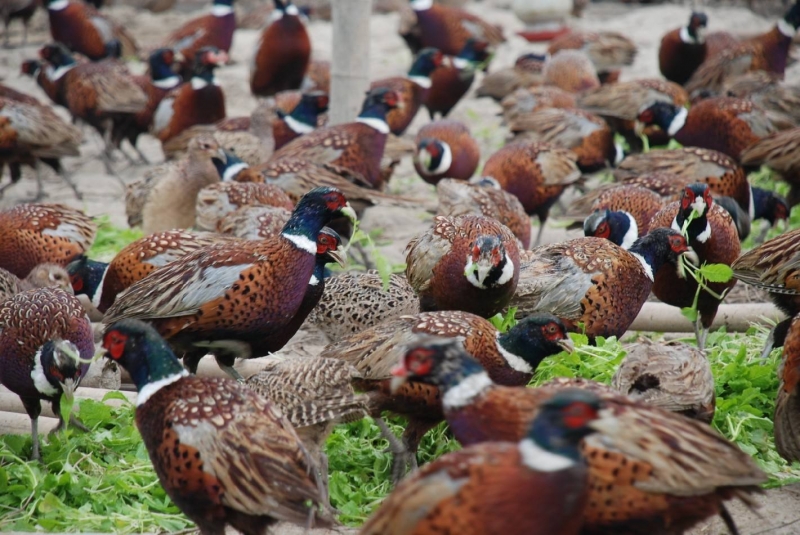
659	317
350	65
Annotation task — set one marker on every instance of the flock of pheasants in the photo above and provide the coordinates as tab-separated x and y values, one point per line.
247	212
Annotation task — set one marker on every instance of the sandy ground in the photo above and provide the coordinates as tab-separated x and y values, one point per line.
103	194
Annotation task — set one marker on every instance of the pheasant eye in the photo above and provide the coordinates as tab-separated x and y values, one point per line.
76	282
552	332
419	361
578	414
602	230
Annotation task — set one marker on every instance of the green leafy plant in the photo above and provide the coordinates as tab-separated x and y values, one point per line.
373	258
111	239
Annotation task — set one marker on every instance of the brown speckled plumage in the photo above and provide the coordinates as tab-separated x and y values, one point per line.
501	83
787	405
32	234
570	70
216	201
355	301
780	102
590	281
524	101
254	222
41	276
537	173
641	202
585	134
436	262
675	377
143	256
464	198
781	152
166	197
624	100
689	165
609	51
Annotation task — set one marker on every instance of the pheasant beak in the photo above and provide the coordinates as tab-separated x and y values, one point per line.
339	256
607	425
68	386
638	128
222	155
567	345
399	378
178	57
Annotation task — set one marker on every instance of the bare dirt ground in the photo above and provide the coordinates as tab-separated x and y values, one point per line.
103	194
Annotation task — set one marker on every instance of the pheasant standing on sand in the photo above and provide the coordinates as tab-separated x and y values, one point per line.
201	432
683	50
46	344
156	85
198	101
282	54
234	299
83	29
452	80
101	93
648	468
468	263
355	147
32	133
713	236
410	89
32	234
536	486
17	9
445	149
537	173
212	30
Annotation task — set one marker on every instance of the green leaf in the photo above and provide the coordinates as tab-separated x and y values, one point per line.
690	313
716	272
66	409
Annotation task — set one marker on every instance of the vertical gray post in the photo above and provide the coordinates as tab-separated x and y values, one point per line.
350	64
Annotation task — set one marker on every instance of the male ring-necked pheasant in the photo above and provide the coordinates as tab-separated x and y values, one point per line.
233	298
650	471
46	344
509	358
537	485
466	263
224	454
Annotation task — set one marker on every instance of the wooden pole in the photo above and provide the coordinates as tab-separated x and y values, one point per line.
350	65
